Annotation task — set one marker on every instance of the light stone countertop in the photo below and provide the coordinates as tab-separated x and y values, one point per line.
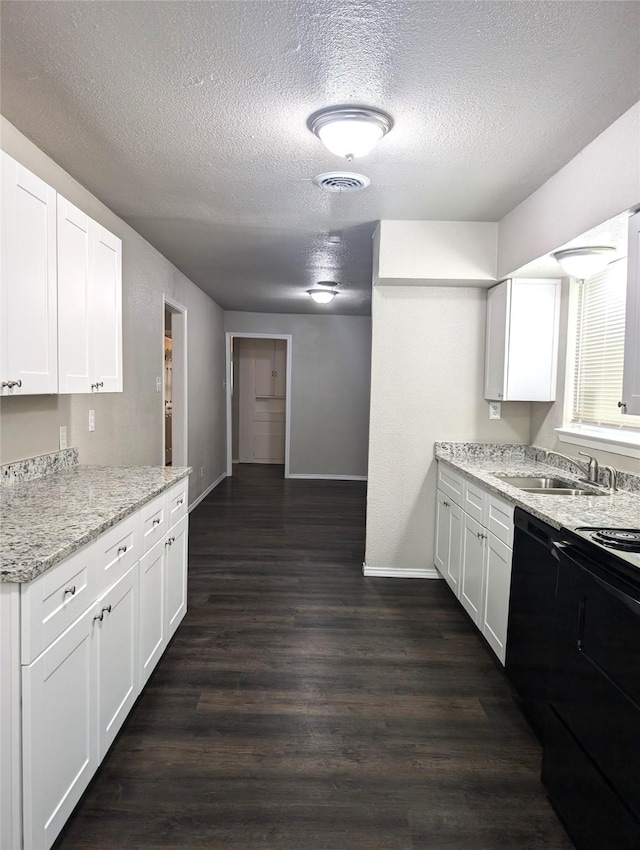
45	520
481	463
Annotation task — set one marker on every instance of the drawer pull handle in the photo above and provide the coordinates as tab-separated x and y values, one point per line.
99	616
447	504
121	550
156	522
70	590
107	609
180	501
11	384
170	541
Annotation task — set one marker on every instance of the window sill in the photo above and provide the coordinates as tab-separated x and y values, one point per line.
614	440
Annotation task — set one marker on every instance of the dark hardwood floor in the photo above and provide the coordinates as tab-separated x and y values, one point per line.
301	706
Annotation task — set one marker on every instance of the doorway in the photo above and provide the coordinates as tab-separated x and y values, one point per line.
174	384
258	403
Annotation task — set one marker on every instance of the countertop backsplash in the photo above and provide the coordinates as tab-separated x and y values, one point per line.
36	467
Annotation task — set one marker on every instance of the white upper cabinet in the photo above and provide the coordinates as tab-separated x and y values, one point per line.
521	349
106	287
74	301
28	320
631	376
89	304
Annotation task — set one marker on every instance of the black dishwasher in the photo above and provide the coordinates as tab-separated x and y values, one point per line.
531	604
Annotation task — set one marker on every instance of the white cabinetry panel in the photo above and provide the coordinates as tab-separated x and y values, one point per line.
28	308
176	575
495	609
472	567
152	626
631	375
106	279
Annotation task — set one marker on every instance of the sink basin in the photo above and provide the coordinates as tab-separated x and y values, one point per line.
547	486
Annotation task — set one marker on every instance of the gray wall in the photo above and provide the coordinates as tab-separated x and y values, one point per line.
330	383
129	424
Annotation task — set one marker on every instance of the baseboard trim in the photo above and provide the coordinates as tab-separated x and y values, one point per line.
320	477
386	572
207	491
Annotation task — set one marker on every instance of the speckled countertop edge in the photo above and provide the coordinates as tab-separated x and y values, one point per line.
617	510
47	519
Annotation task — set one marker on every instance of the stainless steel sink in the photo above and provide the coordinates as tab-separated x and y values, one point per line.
547	486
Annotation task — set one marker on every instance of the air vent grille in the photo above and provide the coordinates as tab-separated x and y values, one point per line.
341	181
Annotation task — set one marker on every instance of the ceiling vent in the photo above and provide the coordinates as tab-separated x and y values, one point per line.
341	181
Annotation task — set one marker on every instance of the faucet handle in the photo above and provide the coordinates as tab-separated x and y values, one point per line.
593	466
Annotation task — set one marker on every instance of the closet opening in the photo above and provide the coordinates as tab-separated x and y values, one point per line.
174	384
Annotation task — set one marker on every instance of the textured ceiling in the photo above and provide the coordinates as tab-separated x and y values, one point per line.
188	119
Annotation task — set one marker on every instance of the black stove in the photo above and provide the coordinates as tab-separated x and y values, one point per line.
627	539
619	548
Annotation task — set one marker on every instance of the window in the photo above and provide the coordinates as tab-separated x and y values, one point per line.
599	351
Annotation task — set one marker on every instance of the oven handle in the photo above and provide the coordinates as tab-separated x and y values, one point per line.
563	550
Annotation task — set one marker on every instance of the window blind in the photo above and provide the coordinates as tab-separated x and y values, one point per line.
600	349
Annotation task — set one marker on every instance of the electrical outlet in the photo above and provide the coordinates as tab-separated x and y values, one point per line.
202	472
495	410
63	436
158	385
92	420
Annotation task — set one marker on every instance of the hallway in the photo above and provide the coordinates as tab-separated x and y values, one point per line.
304	707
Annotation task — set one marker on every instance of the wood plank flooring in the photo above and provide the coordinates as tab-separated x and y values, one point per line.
301	706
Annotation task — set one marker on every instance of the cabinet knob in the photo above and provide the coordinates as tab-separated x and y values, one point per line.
121	550
156	522
447	504
106	609
99	616
180	501
623	406
71	590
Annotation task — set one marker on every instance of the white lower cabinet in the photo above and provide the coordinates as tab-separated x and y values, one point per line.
59	747
176	575
82	675
473	551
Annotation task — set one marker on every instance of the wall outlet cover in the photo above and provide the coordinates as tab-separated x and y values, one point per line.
202	472
92	420
63	437
495	410
158	385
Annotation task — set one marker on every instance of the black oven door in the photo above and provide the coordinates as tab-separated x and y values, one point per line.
594	680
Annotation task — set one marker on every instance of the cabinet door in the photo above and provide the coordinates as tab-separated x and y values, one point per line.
263	354
448	551
495	607
74	302
631	374
28	310
117	642
152	627
60	752
497	340
472	567
176	575
106	309
280	367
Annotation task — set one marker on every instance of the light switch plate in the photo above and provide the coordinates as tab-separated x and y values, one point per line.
92	420
158	385
495	410
63	437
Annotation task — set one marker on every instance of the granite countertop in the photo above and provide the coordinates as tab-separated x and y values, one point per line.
620	509
46	519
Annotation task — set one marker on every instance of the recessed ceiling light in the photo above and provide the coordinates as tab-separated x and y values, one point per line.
585	262
350	131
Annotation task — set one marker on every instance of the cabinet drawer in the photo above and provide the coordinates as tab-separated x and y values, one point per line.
450	482
153	522
177	501
119	549
499	519
474	501
51	602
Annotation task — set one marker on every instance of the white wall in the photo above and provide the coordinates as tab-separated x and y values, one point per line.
602	181
427	385
330	380
454	253
128	424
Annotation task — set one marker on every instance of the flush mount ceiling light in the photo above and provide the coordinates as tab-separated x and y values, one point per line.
350	131
323	293
585	262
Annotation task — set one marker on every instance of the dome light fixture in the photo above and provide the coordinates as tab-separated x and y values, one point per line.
585	262
350	131
323	292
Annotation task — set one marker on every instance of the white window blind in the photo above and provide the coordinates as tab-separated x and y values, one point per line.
600	349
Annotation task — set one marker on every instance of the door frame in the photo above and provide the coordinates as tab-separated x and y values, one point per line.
179	332
288	338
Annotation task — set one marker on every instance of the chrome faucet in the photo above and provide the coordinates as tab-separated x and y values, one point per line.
590	470
613	477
